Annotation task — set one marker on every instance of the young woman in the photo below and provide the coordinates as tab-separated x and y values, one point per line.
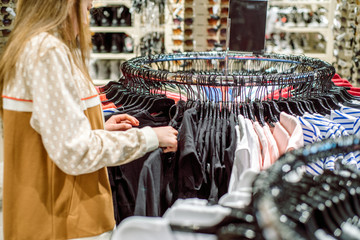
55	147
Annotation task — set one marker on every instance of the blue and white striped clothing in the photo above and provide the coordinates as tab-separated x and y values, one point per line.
327	129
350	111
311	132
330	129
351	124
311	135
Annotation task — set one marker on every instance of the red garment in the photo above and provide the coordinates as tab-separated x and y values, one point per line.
343	85
355	89
354	93
108	105
285	93
103	97
336	76
340	81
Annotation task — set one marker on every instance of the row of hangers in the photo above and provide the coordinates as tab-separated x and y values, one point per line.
128	97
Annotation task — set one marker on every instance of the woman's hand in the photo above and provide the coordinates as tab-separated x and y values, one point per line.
120	122
167	138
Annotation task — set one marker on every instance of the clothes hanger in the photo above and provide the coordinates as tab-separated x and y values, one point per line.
268	114
259	112
109	85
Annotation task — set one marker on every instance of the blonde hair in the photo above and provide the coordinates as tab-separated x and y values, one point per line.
37	16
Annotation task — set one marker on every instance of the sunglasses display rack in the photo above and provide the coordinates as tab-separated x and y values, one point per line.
152	18
301	27
196	25
7	15
118	28
347	40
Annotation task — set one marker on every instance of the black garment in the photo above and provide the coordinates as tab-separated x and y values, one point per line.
146	119
148	194
156	181
215	165
229	147
205	156
190	175
124	184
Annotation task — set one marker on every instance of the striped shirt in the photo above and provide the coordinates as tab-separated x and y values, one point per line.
330	129
351	125
350	111
311	135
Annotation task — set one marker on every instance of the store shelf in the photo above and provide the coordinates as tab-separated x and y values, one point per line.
112	56
297	3
128	30
104	3
322	30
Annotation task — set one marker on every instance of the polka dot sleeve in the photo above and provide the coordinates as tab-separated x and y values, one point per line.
66	132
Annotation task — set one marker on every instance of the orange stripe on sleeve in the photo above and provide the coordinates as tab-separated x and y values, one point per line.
90	97
17	99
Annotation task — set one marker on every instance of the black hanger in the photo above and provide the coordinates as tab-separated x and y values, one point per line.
259	112
268	113
284	107
331	101
108	86
296	107
115	93
319	106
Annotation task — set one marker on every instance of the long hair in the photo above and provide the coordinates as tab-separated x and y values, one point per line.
37	16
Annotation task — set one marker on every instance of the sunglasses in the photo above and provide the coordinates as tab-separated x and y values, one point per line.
177	42
189	42
188	32
5	32
189	21
223	20
223	32
212	21
6	22
225	11
177	21
211	42
212	31
177	31
189	11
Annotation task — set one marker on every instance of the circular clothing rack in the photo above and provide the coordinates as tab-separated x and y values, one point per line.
228	69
